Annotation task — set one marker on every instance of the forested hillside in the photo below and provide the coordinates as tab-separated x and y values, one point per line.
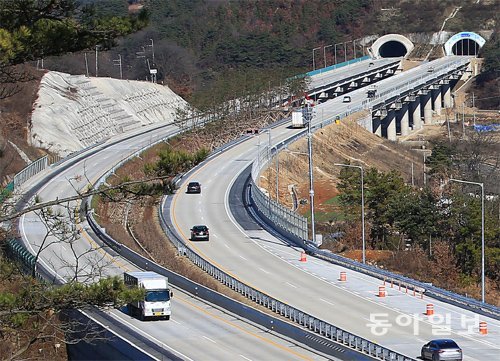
199	43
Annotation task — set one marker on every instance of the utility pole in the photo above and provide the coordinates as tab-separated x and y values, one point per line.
96	68
118	62
86	66
152	50
473	109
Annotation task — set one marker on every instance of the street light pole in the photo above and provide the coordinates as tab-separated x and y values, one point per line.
324	53
118	62
482	229
335	51
311	180
96	72
277	172
362	205
314	64
152	50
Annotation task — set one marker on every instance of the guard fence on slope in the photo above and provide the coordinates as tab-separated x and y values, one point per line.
337	66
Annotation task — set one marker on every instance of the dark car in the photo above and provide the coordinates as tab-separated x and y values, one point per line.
199	233
194	187
441	350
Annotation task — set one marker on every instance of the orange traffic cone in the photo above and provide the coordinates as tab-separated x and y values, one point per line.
303	257
483	328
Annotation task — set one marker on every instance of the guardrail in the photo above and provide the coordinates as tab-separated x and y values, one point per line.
416	83
107	346
281	217
335	341
336	66
320	327
329	331
323	328
30	170
409	283
282	220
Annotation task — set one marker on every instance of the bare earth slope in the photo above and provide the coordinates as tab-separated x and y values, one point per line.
339	143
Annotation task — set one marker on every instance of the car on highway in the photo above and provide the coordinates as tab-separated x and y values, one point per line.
193	187
347	99
199	233
441	350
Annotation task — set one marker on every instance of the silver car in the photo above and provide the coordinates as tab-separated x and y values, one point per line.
441	350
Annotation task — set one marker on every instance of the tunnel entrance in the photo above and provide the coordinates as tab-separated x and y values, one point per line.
464	43
392	49
465	47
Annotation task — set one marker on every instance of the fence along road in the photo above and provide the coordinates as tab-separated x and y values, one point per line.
215	333
264	262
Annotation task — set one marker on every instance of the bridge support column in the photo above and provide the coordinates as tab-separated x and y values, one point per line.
404	120
436	100
390	121
427	103
377	126
447	96
415	115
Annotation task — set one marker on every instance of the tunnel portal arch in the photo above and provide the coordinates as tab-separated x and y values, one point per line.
392	45
464	43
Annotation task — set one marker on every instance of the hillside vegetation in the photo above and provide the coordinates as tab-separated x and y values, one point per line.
198	43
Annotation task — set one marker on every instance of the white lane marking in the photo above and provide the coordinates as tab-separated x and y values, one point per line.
366	279
150	337
243	258
225	244
288	283
174	321
209	339
263	270
246	358
40	259
327	302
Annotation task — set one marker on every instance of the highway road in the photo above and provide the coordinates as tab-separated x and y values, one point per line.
197	330
389	88
355	70
238	252
266	263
